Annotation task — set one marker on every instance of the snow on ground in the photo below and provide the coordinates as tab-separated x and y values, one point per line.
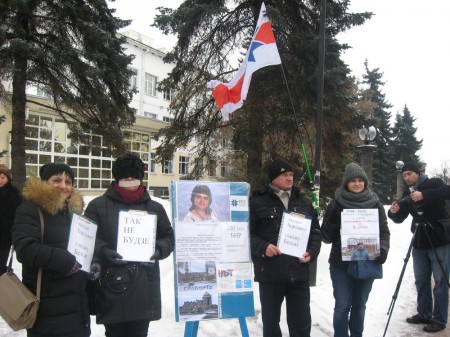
322	301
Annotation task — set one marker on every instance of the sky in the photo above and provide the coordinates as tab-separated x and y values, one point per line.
322	302
407	41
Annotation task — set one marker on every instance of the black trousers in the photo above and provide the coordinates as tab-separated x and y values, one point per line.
4	253
298	312
127	329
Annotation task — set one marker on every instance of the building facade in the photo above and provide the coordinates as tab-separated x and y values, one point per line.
47	135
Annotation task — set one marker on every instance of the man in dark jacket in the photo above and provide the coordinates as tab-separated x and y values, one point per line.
279	275
425	201
128	293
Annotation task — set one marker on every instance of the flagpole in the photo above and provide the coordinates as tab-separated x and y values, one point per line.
305	157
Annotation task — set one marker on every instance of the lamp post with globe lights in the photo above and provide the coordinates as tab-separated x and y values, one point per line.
398	165
367	150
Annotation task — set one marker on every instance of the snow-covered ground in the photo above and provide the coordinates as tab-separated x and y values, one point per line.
322	301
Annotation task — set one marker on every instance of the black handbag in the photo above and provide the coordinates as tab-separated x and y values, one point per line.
365	269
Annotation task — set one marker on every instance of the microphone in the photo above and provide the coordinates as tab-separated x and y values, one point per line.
412	189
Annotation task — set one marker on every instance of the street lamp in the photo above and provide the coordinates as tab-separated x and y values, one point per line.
399	165
367	150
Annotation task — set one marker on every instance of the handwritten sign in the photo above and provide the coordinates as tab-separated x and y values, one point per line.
294	234
82	240
136	235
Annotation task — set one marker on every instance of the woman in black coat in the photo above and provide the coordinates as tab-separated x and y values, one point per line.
63	310
128	293
10	199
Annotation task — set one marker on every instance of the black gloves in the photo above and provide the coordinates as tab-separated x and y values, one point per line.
110	256
157	255
75	268
96	270
382	257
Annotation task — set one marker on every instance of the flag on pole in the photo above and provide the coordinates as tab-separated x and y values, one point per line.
262	52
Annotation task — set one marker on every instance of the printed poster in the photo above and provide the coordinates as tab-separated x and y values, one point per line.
294	234
360	234
213	278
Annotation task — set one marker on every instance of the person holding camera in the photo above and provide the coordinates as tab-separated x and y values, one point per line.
425	201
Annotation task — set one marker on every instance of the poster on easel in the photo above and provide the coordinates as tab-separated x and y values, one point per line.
360	234
212	263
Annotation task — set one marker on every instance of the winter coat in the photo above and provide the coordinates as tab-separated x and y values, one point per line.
63	310
434	193
10	199
331	232
140	297
266	211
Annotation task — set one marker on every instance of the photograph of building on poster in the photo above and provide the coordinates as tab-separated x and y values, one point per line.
197	290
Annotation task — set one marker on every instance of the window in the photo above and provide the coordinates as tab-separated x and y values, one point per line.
152	166
47	140
168	166
168	94
134	79
212	168
150	84
150	115
223	171
44	92
167	119
183	165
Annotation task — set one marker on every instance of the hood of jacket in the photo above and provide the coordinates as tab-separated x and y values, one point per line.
49	198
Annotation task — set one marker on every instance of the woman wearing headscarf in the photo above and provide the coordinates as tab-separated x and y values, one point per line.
10	199
63	309
128	293
351	294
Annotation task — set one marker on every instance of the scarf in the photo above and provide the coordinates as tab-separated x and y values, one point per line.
129	197
347	199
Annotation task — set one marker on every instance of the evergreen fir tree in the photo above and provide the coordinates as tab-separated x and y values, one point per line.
383	166
72	50
405	142
210	35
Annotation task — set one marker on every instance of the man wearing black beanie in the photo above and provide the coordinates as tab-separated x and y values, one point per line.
425	202
279	275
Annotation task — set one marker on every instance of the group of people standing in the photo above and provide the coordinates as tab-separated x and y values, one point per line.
126	295
282	276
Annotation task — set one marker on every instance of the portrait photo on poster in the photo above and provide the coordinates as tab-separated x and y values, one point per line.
200	201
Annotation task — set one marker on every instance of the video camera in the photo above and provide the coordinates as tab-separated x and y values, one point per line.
406	200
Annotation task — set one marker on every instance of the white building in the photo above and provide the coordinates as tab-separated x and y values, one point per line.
47	134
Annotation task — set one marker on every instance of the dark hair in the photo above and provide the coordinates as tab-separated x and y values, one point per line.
201	189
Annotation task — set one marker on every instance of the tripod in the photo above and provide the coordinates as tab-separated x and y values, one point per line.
422	222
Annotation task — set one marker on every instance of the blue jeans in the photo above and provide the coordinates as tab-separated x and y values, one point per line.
350	297
425	265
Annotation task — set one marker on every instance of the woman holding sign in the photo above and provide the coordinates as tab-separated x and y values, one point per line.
351	294
128	293
63	310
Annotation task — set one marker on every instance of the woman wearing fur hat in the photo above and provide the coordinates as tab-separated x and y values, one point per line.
351	294
10	199
63	310
128	293
200	209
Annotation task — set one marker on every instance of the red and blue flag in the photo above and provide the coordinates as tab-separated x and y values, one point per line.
262	52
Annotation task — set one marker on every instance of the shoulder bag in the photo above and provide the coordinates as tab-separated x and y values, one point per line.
365	269
18	305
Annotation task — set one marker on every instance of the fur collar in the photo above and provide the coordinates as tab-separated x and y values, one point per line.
49	199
